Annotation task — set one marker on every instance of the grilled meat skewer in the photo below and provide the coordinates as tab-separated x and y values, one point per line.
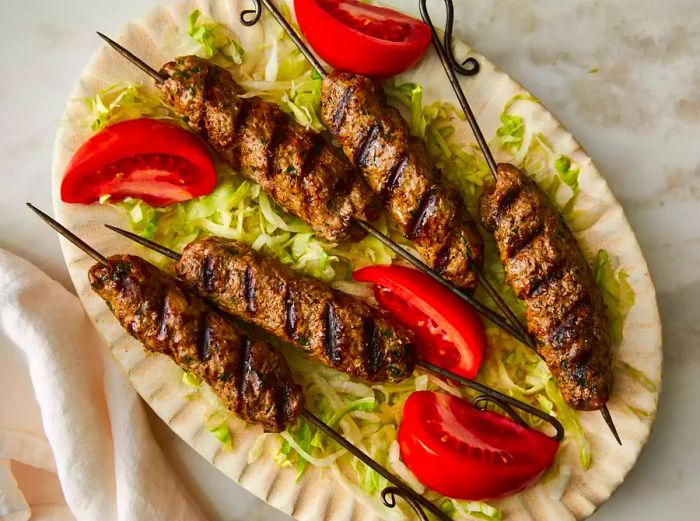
249	376
337	329
303	173
545	267
427	209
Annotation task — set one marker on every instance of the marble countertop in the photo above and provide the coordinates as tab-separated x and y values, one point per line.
638	117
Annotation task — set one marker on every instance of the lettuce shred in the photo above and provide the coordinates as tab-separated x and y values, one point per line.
214	39
368	416
191	379
617	291
123	101
217	424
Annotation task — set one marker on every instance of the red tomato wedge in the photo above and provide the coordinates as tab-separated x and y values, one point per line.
449	333
364	39
464	453
149	159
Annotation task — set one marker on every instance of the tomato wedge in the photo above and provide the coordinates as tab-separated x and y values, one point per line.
150	159
464	453
364	39
449	333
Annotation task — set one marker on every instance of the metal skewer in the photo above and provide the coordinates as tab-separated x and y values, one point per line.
417	502
444	52
518	332
505	402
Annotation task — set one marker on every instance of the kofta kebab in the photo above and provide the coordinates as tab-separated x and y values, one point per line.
543	262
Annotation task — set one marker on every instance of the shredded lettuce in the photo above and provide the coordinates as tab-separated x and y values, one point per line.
368	416
567	172
640	376
217	424
617	292
511	134
123	101
191	379
477	510
214	39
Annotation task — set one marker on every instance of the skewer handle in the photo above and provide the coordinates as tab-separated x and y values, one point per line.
444	56
415	500
250	17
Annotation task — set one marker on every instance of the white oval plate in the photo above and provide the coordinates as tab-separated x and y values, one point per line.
319	496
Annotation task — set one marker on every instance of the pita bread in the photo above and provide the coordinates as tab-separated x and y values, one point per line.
319	496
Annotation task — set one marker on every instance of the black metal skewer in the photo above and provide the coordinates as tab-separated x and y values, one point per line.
517	331
444	51
399	488
444	56
505	402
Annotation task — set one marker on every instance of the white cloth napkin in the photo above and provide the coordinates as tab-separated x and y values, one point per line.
66	409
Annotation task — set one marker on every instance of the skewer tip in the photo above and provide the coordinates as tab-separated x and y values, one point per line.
157	76
145	242
68	235
611	425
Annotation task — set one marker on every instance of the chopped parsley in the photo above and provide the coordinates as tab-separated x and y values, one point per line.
121	269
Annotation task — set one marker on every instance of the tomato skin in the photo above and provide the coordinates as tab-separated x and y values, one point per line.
150	159
464	453
363	39
449	332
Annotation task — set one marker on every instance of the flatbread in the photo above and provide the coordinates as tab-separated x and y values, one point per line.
318	496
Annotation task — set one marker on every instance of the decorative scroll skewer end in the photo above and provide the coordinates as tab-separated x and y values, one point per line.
157	76
417	502
70	236
611	425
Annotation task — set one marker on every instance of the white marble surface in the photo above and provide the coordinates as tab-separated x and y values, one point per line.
638	117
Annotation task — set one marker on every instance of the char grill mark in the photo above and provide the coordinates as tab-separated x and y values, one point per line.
243	112
507	201
372	349
332	334
204	340
518	246
443	258
279	131
341	109
427	206
394	178
282	403
367	143
249	290
162	320
290	314
542	283
208	273
244	366
563	331
312	155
